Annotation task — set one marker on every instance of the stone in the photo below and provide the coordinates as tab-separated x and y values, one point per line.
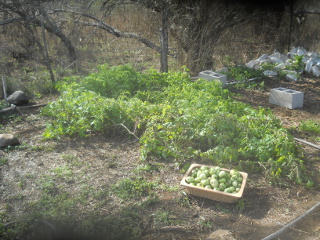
291	77
262	57
276	60
309	64
315	71
301	51
18	98
280	66
285	97
8	140
312	54
265	61
210	75
220	235
224	69
251	63
270	73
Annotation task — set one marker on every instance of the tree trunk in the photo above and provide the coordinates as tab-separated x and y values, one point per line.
164	41
49	26
54	29
197	27
46	54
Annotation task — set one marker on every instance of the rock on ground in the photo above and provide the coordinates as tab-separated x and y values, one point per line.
18	98
8	140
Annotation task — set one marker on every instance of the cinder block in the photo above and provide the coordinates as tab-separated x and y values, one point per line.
210	75
285	97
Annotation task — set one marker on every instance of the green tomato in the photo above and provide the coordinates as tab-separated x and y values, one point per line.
222	180
202	168
234	178
222	174
217	169
222	186
192	184
214	176
208	186
212	170
233	172
190	179
203	176
228	183
214	183
205	182
194	171
206	172
197	179
235	184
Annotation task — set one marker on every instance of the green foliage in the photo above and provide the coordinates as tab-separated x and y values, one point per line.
134	188
114	81
3	161
296	63
176	119
3	104
242	73
310	126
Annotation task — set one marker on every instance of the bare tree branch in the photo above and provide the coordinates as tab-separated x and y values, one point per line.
14	20
100	24
307	12
48	25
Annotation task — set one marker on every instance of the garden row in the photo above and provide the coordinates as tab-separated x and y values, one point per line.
175	119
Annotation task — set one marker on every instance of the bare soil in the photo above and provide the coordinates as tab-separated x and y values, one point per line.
100	161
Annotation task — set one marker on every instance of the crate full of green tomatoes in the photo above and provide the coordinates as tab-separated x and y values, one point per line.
214	182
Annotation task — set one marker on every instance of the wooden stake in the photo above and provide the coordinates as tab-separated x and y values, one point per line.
4	86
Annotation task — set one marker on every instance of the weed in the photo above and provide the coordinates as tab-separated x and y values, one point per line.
241	73
48	186
205	224
134	188
3	161
17	197
164	217
21	183
37	148
64	173
185	201
3	104
146	167
310	126
296	63
241	205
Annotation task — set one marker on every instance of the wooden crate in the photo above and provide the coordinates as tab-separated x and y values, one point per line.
210	193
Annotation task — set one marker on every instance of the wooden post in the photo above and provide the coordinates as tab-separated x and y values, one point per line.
290	27
4	86
164	41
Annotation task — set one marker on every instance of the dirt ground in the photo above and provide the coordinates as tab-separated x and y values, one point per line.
263	210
